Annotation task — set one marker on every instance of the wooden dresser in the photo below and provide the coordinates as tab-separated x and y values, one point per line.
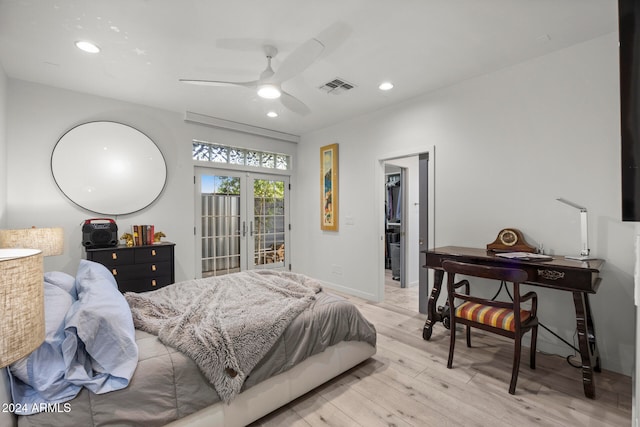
138	268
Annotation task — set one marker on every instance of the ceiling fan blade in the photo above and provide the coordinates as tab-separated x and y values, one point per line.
333	36
251	84
299	60
294	104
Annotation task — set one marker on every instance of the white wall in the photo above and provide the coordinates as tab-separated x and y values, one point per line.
3	147
38	116
507	145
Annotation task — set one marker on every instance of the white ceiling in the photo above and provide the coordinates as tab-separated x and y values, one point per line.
147	45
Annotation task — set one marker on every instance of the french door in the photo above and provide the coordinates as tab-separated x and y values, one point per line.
242	221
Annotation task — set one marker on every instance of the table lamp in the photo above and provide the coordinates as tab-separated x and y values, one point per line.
584	251
22	327
49	240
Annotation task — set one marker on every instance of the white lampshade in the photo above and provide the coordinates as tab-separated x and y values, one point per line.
49	240
22	328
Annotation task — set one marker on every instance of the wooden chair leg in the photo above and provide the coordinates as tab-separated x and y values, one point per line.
516	364
534	341
452	342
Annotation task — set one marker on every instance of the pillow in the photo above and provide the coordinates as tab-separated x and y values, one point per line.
62	280
40	377
99	348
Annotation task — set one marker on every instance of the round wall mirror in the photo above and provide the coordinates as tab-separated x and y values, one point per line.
108	168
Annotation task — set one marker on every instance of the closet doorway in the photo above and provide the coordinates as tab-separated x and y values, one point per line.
408	225
242	221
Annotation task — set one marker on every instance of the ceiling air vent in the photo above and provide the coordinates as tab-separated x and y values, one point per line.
336	86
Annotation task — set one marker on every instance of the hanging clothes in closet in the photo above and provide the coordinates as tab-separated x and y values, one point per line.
394	199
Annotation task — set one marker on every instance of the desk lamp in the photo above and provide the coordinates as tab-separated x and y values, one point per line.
584	251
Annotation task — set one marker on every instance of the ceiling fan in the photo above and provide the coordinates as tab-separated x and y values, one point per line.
269	84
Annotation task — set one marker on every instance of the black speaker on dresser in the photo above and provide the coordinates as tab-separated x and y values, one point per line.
99	234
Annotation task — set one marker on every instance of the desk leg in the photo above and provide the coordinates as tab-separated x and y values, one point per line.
432	313
586	340
591	335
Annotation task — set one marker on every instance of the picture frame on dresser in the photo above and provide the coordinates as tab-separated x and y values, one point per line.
138	268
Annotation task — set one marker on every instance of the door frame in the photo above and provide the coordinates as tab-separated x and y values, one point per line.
244	175
424	280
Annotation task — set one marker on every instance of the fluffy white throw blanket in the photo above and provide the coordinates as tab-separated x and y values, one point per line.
226	324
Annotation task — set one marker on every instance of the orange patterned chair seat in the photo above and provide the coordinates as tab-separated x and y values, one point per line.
493	316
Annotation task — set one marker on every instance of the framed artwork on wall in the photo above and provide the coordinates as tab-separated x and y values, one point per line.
329	187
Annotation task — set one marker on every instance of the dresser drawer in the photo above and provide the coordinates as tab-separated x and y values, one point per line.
135	271
112	257
153	253
144	285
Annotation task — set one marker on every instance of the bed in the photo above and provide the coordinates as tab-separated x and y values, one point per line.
326	336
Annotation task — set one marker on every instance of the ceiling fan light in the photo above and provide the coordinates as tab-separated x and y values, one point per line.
87	46
269	91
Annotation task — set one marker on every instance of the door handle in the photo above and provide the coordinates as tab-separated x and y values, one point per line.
244	228
251	228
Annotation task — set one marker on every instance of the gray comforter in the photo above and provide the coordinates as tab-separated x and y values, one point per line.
167	385
211	321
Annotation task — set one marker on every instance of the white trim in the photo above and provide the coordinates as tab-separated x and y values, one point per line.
350	291
241	168
201	119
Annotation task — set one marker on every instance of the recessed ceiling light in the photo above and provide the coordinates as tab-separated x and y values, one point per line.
385	86
87	46
272	114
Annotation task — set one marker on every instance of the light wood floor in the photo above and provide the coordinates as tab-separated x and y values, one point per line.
407	382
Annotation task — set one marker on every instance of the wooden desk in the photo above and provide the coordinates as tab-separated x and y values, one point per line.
578	277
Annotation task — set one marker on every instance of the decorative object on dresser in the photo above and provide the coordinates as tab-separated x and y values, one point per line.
22	327
138	268
510	240
143	234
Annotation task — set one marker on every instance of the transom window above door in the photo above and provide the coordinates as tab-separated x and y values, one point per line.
224	154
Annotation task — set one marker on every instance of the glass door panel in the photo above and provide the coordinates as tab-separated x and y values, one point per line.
220	200
270	222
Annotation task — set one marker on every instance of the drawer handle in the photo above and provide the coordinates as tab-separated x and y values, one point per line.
153	267
153	282
114	272
114	255
153	252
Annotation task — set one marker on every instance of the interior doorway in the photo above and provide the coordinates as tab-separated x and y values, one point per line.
413	207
